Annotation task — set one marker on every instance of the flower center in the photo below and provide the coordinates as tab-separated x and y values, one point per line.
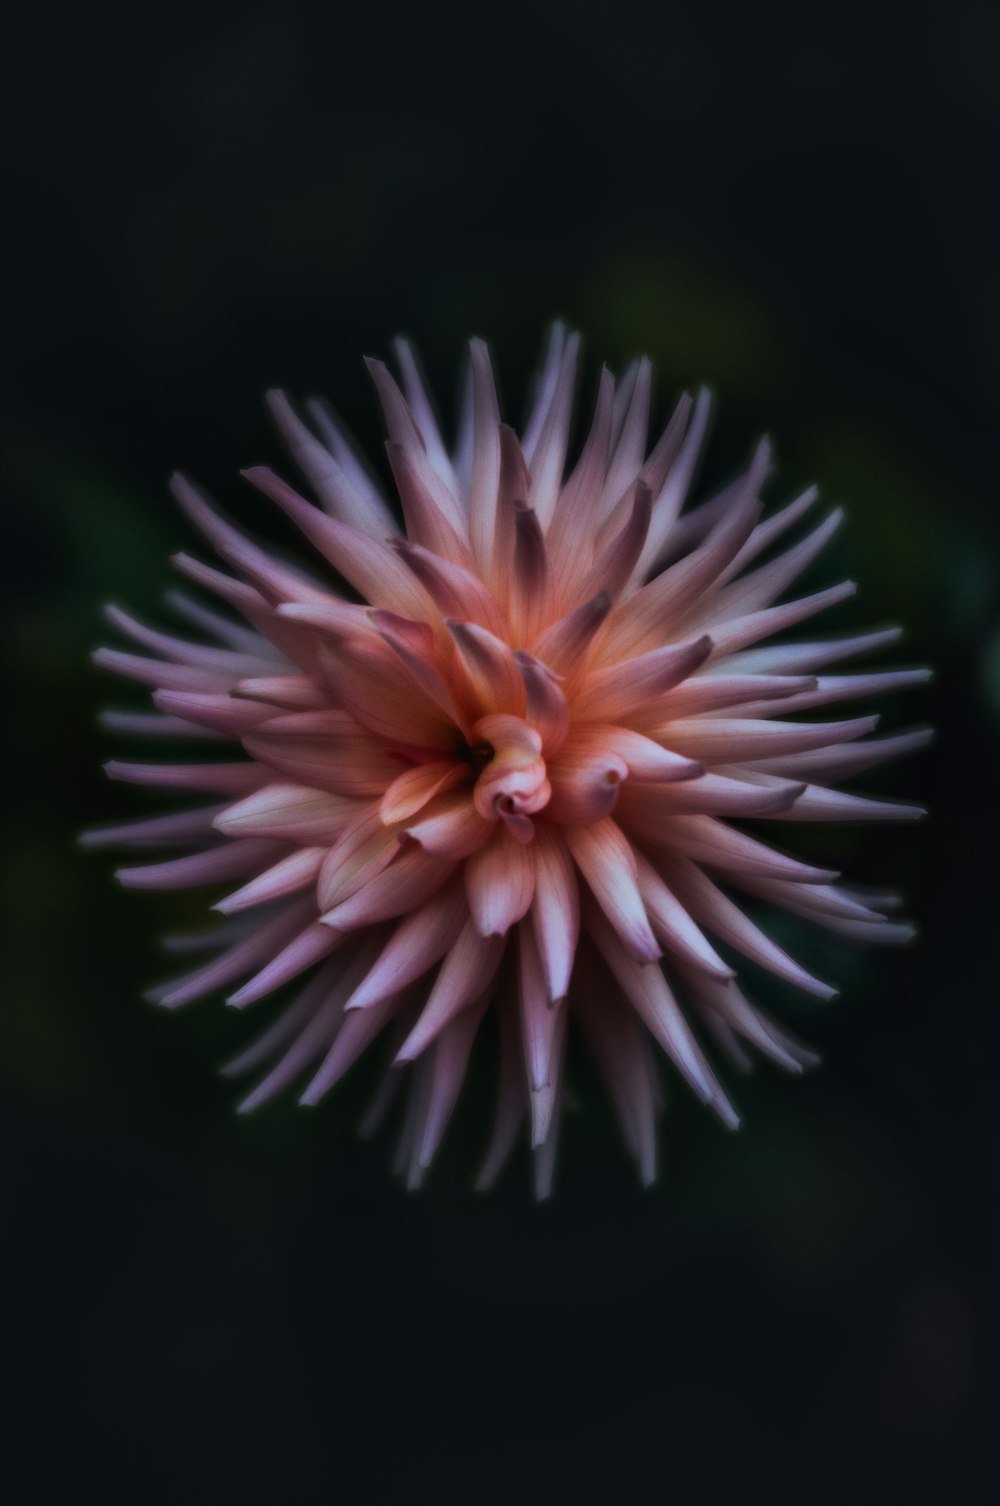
512	784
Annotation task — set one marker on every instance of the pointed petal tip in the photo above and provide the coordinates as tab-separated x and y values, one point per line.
241	997
256	473
731	1120
180	484
696	768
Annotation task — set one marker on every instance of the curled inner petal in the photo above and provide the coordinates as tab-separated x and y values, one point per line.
513	784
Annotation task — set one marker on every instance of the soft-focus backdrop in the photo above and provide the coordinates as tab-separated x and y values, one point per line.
798	210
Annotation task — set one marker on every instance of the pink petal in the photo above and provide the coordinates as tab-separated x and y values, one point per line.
738	632
616	562
529	587
355	1034
298	870
770	529
410	792
404	432
649	807
426	523
485	482
447	1073
647	990
803	658
546	704
364	847
638	623
368	564
236	961
829	689
289	1024
407	881
158	673
215	866
220	713
565	645
490	670
673	924
548	455
761	588
541	1023
291	692
273	580
465	974
726	1003
570	535
149	724
417	943
818	902
605	858
370	682
621	1054
198	655
848	759
630	441
585	785
422	411
359	506
451	827
544	385
657	467
290	812
500	883
727	921
816	804
643	757
456	592
612	694
732	739
511	1103
326	750
756	695
709	841
178	829
555	911
223	629
674	492
209	778
309	947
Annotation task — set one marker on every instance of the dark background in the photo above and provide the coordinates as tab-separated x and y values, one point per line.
797	207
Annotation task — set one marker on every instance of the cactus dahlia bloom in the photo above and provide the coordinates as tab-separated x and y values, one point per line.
487	754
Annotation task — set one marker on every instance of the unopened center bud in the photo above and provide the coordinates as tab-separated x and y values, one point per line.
513	785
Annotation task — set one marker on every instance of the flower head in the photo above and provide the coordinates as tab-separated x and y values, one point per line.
488	755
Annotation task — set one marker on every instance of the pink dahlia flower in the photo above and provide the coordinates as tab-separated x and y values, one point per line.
488	756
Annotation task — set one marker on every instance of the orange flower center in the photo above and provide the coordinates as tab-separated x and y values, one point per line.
513	784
